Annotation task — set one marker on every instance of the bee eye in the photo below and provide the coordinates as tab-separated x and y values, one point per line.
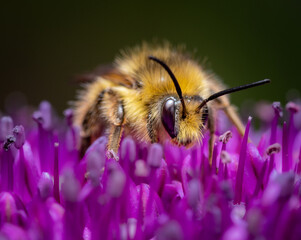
168	117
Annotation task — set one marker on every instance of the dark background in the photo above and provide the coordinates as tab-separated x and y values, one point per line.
43	45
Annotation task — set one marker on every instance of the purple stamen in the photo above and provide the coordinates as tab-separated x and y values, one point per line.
220	169
128	155
225	160
194	193
95	165
155	155
170	230
285	159
68	113
10	139
277	114
291	134
225	157
292	107
225	137
56	191
19	135
70	186
272	149
116	181
72	135
45	120
299	162
214	156
47	117
241	165
74	216
7	162
273	138
260	178
25	170
45	186
8	208
6	126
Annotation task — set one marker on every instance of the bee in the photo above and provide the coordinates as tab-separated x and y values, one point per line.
155	93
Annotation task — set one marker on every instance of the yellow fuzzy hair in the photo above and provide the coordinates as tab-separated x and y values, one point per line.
155	84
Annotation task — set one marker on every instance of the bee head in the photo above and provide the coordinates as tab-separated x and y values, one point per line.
184	118
183	130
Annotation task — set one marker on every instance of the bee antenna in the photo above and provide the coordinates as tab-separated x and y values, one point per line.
175	81
231	90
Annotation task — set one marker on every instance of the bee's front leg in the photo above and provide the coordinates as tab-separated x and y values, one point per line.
116	128
106	112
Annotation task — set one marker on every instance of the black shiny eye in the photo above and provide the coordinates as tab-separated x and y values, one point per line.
168	117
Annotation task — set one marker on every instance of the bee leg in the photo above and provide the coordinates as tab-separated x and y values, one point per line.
211	127
114	142
107	109
116	129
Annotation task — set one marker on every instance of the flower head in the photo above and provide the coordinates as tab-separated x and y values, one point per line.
252	189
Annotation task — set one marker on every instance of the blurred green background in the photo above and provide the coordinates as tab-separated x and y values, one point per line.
43	45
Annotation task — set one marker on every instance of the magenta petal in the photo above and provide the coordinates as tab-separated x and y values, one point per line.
95	155
13	232
241	165
260	179
285	143
161	176
194	193
116	181
68	113
45	186
128	154
291	134
6	127
253	167
236	233
19	135
171	192
70	186
95	164
170	230
155	155
156	207
6	170
7	208
128	150
214	158
74	216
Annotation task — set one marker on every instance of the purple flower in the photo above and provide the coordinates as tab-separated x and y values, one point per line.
252	189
